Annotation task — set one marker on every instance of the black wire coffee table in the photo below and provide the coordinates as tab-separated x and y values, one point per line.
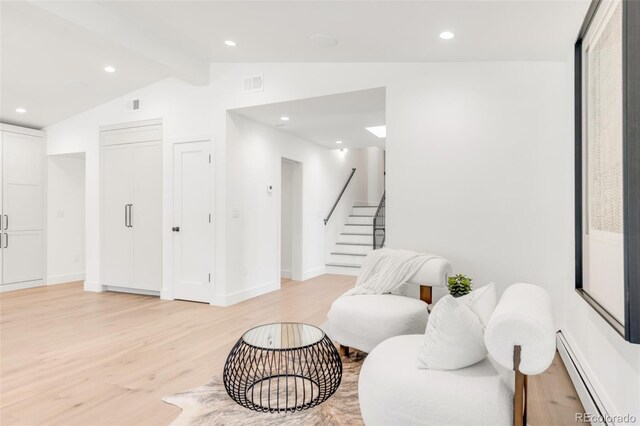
282	367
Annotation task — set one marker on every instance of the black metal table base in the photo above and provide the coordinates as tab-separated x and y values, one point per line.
282	380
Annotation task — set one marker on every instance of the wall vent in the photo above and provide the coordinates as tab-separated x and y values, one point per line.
253	83
133	105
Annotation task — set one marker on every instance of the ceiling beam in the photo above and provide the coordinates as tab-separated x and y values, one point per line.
118	29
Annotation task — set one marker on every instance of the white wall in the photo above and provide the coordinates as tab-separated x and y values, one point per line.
65	218
254	153
286	218
186	112
470	147
375	175
484	147
611	364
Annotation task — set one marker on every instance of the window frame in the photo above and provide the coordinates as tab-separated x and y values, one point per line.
630	330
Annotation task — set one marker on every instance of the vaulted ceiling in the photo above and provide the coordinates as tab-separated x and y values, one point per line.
54	52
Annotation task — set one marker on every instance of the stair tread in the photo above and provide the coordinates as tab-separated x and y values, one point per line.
344	265
347	254
356	233
362	215
353	244
365	207
358	224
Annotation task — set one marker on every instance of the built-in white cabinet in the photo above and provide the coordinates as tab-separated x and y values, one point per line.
131	207
22	233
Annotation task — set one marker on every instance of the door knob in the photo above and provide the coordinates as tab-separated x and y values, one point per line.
176	229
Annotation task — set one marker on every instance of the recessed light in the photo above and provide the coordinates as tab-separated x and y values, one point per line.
109	68
230	43
379	131
447	35
284	118
21	110
338	142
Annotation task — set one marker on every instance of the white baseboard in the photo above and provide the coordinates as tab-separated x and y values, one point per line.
285	273
132	290
312	273
586	392
93	286
65	278
242	295
21	286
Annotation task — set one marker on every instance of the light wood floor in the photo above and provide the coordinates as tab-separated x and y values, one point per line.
70	357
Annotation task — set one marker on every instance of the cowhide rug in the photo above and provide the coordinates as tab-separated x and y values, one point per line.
210	405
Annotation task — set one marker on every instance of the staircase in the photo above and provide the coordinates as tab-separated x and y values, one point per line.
354	242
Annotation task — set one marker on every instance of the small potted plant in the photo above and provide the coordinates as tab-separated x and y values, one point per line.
459	285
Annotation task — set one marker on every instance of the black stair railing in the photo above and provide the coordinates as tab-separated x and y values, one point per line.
378	224
344	188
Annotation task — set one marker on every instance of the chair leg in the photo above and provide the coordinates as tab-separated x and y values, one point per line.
520	388
344	351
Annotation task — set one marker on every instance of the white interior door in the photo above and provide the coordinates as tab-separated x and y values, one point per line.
22	193
192	256
117	235
146	216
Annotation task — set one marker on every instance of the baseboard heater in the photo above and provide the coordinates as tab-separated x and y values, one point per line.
590	401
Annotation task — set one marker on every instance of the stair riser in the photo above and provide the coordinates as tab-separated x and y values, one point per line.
341	258
352	249
342	271
364	210
360	220
365	239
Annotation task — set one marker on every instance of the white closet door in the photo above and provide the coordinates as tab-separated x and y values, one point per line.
191	208
1	211
22	258
117	236
22	183
146	215
22	194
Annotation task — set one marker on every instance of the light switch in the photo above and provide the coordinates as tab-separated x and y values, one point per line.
269	189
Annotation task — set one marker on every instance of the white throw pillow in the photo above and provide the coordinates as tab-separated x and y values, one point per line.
454	337
482	301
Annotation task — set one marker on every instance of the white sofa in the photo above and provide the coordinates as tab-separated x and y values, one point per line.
520	339
364	321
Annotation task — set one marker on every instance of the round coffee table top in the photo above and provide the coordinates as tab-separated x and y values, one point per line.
286	335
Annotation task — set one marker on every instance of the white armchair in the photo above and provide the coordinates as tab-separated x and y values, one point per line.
364	321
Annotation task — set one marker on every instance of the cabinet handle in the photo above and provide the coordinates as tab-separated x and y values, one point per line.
6	222
6	240
126	220
130	216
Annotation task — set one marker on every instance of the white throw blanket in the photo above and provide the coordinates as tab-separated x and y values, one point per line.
385	269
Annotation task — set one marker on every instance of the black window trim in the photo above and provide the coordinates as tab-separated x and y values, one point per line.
631	169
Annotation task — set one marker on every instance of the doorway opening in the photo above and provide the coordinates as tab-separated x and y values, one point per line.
66	218
291	220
